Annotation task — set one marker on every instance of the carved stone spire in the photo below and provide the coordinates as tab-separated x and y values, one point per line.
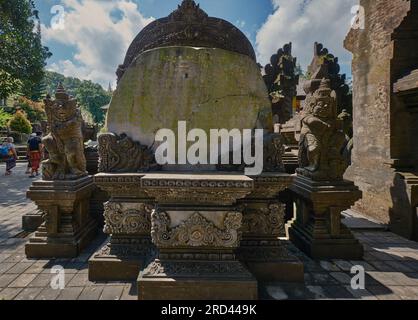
188	11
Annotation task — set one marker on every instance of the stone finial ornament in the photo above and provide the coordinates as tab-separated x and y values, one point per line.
322	140
64	142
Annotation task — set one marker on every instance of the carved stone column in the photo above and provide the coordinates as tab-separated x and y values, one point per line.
265	255
68	225
127	218
196	228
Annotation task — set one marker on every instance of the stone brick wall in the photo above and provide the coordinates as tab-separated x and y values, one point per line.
376	146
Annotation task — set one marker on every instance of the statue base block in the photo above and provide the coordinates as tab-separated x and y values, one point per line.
272	263
119	263
32	221
68	226
193	280
317	229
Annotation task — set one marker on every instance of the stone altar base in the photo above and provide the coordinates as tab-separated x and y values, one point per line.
127	218
68	225
267	257
196	229
120	262
196	280
317	229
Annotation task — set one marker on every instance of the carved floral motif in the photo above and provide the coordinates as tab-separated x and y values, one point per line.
127	221
196	231
268	220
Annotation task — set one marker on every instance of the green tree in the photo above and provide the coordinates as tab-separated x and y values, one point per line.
91	96
4	118
20	123
22	56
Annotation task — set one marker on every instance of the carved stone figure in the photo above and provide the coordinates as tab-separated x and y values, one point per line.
121	154
64	142
273	153
322	140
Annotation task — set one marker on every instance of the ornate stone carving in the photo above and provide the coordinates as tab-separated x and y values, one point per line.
322	140
64	142
189	269
196	231
273	153
267	220
188	26
121	154
130	220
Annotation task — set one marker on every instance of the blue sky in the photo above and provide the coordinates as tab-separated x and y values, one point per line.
96	33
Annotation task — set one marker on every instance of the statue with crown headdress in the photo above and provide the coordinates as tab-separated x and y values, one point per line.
64	142
322	140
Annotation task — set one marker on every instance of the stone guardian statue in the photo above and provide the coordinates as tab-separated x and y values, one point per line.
64	142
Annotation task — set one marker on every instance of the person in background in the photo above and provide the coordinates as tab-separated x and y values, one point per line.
29	167
35	155
8	151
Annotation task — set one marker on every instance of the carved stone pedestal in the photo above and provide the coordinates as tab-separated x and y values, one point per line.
32	221
68	225
196	228
127	222
263	223
317	229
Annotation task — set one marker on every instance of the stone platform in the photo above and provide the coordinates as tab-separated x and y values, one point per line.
391	264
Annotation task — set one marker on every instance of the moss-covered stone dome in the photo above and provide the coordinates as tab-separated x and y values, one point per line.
189	26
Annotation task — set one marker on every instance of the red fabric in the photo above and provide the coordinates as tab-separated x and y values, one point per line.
35	159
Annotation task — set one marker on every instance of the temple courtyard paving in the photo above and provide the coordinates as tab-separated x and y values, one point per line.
390	262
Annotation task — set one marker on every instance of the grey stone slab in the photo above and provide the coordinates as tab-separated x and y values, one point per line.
319	279
91	293
19	267
9	293
381	266
404	292
6	279
22	281
329	266
80	280
4	266
41	281
70	293
113	292
383	293
362	294
399	266
130	292
337	292
28	294
48	294
341	277
343	265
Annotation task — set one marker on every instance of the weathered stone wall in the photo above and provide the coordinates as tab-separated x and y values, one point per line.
376	146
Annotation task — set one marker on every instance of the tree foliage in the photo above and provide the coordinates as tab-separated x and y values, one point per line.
91	96
35	111
20	123
22	56
4	118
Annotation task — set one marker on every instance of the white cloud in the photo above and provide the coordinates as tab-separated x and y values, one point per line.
304	22
100	40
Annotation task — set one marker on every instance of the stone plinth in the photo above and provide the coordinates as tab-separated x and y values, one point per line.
196	228
127	222
317	229
68	225
263	223
32	221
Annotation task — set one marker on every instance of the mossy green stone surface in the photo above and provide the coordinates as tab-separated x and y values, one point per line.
208	88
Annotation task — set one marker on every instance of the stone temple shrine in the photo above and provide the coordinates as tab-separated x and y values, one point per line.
187	229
